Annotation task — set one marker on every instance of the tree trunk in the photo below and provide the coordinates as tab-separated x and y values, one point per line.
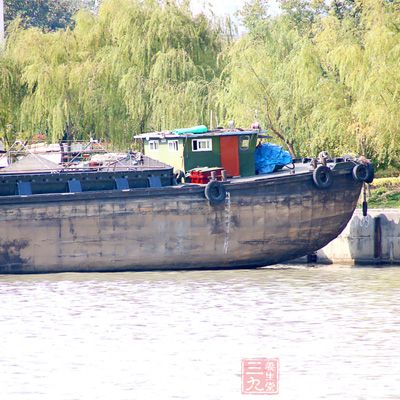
288	144
291	149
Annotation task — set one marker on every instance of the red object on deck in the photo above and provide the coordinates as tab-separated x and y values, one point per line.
230	155
203	175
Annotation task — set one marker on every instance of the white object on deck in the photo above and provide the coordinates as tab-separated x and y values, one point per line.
3	161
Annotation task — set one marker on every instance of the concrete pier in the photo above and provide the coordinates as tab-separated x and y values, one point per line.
374	239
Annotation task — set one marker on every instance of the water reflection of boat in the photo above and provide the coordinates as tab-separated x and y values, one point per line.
137	218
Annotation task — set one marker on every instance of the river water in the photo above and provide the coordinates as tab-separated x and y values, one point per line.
183	335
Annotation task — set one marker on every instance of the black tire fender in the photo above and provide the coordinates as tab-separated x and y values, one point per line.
371	173
322	177
364	208
215	192
360	172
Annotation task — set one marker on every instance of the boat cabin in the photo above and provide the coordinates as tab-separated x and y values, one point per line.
231	149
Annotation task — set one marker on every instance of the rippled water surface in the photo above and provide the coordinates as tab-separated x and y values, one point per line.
182	335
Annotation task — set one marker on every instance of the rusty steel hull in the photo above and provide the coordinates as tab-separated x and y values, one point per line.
262	222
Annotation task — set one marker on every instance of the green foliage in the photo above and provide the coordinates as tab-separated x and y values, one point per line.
137	66
387	182
322	78
11	95
48	15
385	192
44	14
254	14
385	198
389	172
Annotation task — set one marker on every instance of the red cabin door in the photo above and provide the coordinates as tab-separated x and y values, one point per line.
230	155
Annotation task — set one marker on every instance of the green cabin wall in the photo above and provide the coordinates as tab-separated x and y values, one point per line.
194	159
247	157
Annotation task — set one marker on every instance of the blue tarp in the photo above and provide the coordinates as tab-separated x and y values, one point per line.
270	156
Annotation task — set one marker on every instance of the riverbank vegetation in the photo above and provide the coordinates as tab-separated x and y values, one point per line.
317	76
385	193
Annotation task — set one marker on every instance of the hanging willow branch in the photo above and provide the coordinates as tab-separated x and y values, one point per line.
135	66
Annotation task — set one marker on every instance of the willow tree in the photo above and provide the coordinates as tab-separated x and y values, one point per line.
378	81
259	82
321	77
360	51
11	94
136	66
279	70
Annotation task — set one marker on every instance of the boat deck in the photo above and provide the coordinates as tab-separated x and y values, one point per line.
299	169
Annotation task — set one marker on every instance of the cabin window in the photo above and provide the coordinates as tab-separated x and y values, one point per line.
244	142
154	144
201	145
172	145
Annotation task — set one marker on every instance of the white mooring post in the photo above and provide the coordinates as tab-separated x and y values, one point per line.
1	22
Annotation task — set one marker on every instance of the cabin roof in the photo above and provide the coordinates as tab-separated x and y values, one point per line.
31	163
35	163
212	133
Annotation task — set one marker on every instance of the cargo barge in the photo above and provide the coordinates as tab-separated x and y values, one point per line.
140	218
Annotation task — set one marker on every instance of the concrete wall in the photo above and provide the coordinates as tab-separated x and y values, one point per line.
371	240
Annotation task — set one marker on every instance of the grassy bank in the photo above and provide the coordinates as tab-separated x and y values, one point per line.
385	193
